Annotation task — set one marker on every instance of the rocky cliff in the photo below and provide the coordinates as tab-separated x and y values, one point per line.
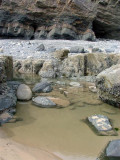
59	19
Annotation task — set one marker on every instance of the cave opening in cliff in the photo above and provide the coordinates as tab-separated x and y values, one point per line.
98	29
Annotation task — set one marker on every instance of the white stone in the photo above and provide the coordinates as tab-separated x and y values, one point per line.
24	92
75	84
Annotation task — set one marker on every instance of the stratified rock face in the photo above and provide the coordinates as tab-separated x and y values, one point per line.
107	22
108	84
53	19
60	19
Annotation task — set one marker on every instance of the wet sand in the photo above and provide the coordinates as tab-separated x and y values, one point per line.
10	150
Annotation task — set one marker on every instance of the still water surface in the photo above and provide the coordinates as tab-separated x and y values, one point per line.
62	130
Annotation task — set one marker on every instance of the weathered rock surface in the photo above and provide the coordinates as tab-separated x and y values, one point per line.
44	87
43	102
78	65
24	93
61	54
7	97
60	19
50	69
73	66
97	62
6	68
108	84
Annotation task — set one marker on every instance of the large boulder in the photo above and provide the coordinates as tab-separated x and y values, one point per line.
108	84
24	93
97	62
50	69
73	66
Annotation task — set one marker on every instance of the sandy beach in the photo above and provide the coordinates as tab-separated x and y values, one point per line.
10	150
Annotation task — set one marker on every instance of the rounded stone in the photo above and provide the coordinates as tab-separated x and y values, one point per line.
24	92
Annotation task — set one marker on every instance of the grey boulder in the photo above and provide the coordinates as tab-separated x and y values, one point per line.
113	150
42	87
77	49
43	102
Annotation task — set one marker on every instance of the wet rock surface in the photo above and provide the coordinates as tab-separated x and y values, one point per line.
43	102
44	87
102	124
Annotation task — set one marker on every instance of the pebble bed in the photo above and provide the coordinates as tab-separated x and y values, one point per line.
22	49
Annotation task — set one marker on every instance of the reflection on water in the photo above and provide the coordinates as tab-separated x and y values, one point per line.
63	131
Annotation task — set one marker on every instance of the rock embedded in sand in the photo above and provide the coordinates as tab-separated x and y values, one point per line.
113	150
44	102
93	89
24	92
75	84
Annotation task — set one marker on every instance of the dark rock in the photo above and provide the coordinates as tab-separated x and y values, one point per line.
113	150
42	87
43	102
7	101
41	47
55	33
68	34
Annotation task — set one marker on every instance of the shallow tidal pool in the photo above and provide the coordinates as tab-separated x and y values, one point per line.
62	130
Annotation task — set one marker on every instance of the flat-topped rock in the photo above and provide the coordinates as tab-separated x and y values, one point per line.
102	124
113	150
44	102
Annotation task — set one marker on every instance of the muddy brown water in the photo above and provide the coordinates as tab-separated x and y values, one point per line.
62	130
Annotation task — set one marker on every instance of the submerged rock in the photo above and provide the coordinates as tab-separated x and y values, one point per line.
42	87
24	93
5	117
43	102
102	124
108	84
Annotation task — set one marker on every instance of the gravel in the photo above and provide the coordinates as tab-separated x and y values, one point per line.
22	49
